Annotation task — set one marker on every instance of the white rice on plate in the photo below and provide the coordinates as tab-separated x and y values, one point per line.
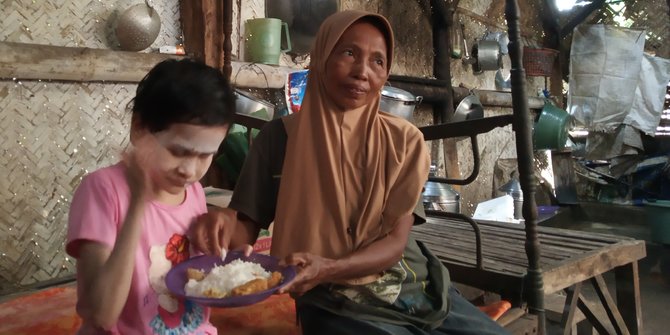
225	278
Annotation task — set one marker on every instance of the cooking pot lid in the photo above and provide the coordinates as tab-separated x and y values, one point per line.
469	108
398	94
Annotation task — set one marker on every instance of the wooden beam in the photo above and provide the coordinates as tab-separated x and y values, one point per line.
490	98
434	90
487	20
593	263
627	278
581	16
203	30
591	316
610	306
46	62
259	75
569	309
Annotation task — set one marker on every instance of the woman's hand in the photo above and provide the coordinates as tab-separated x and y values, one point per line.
209	231
312	271
218	230
359	267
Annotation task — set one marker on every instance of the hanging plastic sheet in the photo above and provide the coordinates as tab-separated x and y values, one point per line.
605	63
624	140
645	113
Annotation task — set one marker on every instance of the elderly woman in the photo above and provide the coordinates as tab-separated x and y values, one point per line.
341	180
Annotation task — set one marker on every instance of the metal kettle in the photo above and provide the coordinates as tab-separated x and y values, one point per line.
440	196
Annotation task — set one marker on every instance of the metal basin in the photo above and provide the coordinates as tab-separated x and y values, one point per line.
248	104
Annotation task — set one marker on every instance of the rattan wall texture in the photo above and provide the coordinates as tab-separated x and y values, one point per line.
53	133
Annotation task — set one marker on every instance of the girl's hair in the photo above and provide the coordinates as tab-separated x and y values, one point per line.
183	91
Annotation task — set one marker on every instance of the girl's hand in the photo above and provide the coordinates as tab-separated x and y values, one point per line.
137	160
312	271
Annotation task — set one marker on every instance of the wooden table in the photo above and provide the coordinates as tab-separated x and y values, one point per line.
568	258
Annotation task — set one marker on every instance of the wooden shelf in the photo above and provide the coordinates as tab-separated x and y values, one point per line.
46	62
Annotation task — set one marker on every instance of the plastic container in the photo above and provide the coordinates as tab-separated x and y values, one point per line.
551	129
263	40
658	218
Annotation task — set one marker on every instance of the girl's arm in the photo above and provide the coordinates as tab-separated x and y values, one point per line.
374	258
105	275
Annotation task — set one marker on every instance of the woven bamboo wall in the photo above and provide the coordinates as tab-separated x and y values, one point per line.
52	133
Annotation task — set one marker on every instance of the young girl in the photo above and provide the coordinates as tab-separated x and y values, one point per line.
128	222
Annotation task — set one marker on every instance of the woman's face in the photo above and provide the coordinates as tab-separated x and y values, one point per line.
356	69
183	154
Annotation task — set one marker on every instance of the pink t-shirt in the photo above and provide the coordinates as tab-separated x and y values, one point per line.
97	212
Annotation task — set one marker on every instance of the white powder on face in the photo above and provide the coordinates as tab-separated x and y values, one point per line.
225	278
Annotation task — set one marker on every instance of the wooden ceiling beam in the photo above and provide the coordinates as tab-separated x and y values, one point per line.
581	16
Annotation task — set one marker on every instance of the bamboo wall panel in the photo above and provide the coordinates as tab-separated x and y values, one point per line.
53	133
79	23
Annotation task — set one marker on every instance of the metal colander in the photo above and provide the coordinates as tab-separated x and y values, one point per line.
138	27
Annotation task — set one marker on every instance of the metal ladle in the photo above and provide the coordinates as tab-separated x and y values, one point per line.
467	58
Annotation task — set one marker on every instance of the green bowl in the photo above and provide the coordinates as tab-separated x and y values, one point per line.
551	129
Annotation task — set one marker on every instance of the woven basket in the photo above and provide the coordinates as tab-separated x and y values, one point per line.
539	62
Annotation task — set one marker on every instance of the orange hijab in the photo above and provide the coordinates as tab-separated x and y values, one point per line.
348	176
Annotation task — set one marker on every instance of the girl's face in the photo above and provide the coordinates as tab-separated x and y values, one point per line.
356	69
183	154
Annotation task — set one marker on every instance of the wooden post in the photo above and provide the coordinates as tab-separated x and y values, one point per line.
524	150
227	39
627	280
203	28
442	20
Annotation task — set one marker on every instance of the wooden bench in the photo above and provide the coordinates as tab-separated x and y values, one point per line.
568	258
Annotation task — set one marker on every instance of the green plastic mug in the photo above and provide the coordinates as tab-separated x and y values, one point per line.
551	129
263	40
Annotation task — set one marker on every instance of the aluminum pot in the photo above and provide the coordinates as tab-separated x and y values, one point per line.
398	102
441	197
488	54
247	104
